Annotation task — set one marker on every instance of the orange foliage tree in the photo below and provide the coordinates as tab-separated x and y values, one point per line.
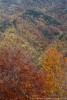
52	64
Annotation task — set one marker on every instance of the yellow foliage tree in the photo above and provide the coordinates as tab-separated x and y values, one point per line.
53	67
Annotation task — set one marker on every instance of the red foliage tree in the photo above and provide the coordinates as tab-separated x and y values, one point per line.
18	80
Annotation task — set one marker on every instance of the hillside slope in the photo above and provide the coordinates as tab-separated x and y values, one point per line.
33	49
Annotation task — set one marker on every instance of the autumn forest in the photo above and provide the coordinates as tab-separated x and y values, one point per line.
33	49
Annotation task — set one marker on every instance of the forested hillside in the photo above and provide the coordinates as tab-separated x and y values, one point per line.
33	49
